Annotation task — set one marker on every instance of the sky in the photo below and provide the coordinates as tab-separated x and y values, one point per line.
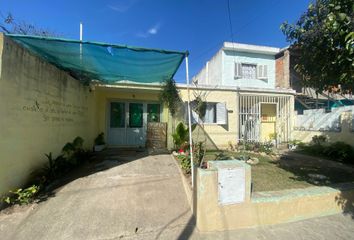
199	26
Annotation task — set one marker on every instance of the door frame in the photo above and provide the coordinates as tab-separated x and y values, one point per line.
276	118
126	102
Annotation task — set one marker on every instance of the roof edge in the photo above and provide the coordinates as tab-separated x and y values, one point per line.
241	47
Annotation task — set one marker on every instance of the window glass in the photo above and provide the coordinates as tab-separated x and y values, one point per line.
249	71
153	112
135	115
210	113
117	118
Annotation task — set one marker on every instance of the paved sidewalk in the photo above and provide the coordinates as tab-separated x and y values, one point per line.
131	196
335	227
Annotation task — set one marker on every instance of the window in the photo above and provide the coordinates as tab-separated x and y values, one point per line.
210	113
215	113
251	71
117	118
135	115
153	112
262	72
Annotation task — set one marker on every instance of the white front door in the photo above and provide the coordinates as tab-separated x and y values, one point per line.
117	123
127	122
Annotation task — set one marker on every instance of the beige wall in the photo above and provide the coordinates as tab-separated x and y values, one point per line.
41	109
221	135
218	135
345	135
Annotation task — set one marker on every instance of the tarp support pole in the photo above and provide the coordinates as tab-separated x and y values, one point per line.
81	31
190	124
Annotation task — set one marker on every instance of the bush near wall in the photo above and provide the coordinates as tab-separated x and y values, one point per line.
73	155
337	151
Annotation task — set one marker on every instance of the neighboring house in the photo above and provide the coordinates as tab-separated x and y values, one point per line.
241	78
306	97
325	113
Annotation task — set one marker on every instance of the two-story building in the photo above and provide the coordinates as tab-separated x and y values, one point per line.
239	83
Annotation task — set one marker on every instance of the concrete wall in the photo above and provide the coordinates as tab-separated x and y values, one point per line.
345	134
211	73
41	109
264	208
228	72
319	120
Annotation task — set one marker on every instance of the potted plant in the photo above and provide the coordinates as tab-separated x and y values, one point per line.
100	144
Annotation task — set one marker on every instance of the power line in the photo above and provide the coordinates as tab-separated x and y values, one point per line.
252	19
230	21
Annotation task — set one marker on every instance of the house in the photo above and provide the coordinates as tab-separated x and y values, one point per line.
46	99
53	90
305	97
324	113
241	78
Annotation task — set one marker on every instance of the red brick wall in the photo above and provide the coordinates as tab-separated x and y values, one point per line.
279	72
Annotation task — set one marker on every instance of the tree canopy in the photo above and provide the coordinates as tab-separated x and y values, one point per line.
323	40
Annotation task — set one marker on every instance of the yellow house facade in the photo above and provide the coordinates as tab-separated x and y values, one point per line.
258	115
43	107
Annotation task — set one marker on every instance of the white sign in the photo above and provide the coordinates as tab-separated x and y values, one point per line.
232	185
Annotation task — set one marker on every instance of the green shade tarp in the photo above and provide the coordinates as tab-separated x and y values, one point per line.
108	63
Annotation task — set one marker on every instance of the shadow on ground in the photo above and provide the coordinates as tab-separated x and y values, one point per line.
322	172
100	161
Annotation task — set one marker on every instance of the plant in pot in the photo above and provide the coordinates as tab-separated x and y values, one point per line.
100	144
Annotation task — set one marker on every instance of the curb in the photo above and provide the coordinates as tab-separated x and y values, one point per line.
186	186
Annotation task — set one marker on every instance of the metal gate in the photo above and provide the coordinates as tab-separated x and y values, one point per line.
249	107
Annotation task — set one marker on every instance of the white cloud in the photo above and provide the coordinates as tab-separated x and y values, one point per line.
122	6
151	31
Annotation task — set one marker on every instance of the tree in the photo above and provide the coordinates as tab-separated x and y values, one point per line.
11	26
323	39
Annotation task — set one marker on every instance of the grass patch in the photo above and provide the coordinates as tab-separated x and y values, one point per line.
289	172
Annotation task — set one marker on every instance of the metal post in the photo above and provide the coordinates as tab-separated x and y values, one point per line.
80	31
190	123
81	27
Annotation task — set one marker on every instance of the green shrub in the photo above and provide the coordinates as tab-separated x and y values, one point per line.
99	140
340	151
22	196
51	170
78	143
181	135
73	152
315	149
185	163
319	139
266	147
295	142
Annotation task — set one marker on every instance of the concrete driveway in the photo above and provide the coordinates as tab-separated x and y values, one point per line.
128	195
